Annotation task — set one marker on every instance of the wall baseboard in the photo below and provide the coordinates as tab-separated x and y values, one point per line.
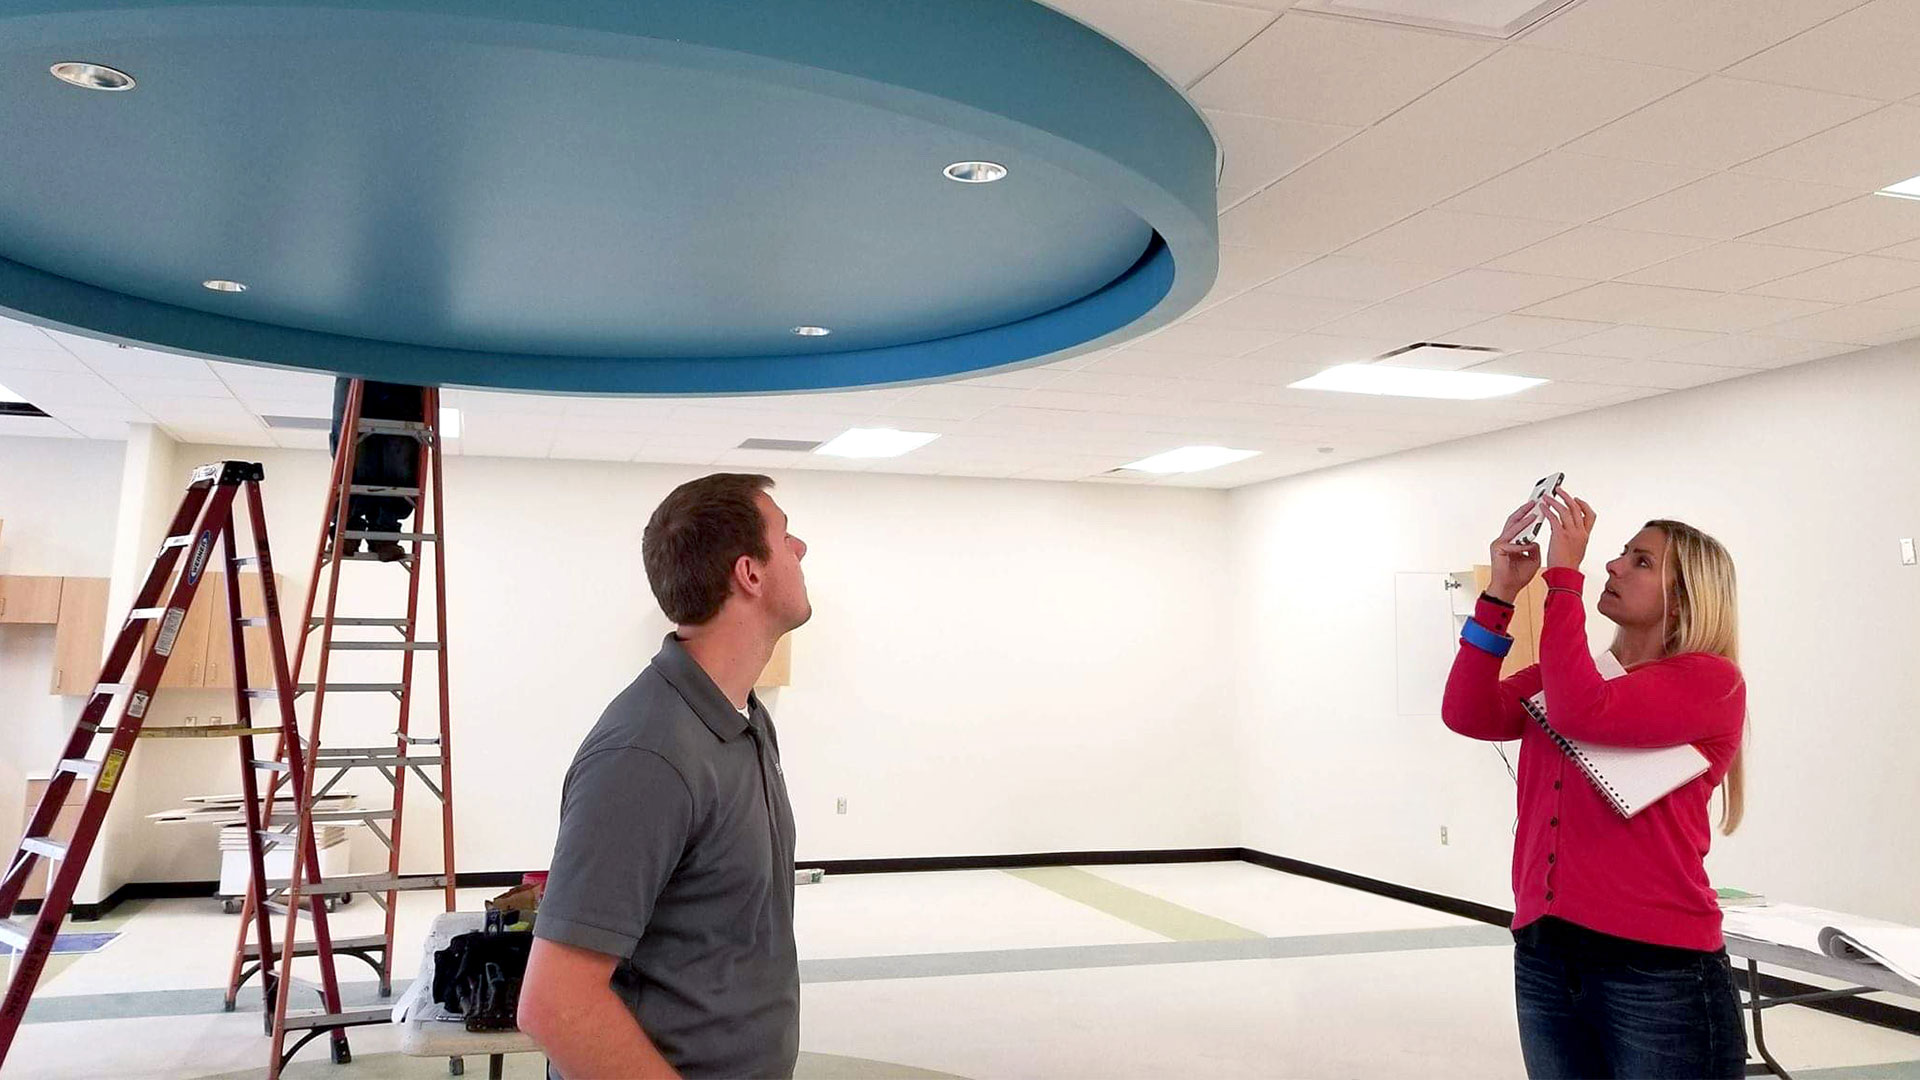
1878	1013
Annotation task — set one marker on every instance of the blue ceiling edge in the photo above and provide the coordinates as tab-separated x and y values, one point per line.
1010	71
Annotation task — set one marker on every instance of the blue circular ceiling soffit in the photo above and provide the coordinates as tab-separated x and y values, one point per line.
586	196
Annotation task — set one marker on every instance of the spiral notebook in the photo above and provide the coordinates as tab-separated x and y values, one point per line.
1631	779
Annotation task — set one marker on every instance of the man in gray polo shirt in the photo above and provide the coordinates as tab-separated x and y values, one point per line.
664	944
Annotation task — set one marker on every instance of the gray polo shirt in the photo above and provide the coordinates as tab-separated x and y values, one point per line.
675	854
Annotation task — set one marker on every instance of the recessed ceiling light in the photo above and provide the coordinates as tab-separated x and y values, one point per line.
223	285
1190	459
1905	189
92	76
975	172
875	443
1384	379
811	331
449	422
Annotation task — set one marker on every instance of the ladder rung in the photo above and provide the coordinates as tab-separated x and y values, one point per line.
247	560
308	948
370	426
276	766
274	907
381	489
44	845
374	556
326	761
144	614
386	646
349	1018
358	620
112	687
172	542
337	688
255	620
14	935
79	766
361	534
289	817
367	883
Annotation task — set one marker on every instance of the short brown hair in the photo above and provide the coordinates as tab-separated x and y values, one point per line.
695	536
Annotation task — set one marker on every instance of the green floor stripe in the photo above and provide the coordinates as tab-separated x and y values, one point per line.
1143	910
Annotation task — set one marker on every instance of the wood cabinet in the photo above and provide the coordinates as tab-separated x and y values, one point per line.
79	636
1529	612
63	826
202	656
29	599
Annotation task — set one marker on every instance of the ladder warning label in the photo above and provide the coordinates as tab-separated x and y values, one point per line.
137	708
169	630
110	770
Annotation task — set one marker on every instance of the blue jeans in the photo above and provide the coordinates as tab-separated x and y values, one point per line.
1584	1017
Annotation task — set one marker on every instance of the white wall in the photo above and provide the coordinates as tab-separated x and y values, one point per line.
992	667
58	498
1809	475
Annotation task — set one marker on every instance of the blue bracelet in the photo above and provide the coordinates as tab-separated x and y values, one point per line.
1485	640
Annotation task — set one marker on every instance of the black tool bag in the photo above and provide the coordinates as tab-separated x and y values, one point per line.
478	975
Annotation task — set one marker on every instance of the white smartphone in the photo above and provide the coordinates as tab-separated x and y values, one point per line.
1543	487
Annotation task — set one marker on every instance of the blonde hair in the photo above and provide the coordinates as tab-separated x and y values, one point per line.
1704	617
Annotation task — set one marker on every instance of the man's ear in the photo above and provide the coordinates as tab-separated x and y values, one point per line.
746	576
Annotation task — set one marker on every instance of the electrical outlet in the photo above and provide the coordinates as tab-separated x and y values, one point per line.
1443	836
840	806
1906	551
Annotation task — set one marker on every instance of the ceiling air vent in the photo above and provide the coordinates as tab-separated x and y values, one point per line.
1500	19
794	446
1439	355
299	423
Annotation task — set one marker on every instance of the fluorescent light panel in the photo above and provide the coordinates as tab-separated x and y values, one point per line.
875	443
1190	459
1390	381
1905	189
8	395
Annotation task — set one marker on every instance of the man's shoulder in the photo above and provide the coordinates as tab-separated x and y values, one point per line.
649	715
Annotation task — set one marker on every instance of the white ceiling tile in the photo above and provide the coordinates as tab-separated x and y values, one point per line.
1518	333
1618	302
1731	266
1866	223
595	446
1341	277
40	359
1261	149
1450	239
197	410
294	439
1857	324
1407	323
46	388
1849	281
139	386
1536	98
1733	312
1242	268
77	414
1571	188
1633	342
15	334
1904	300
1192	339
1699	35
1266	308
1335	71
951	402
478	402
37	427
1868	154
1182	40
1019	378
1590	251
1364	184
214	433
1492	290
1717	123
1555	366
1726	205
1748	351
1867	51
116	430
1665	375
1150	364
1323	350
112	363
1589	395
